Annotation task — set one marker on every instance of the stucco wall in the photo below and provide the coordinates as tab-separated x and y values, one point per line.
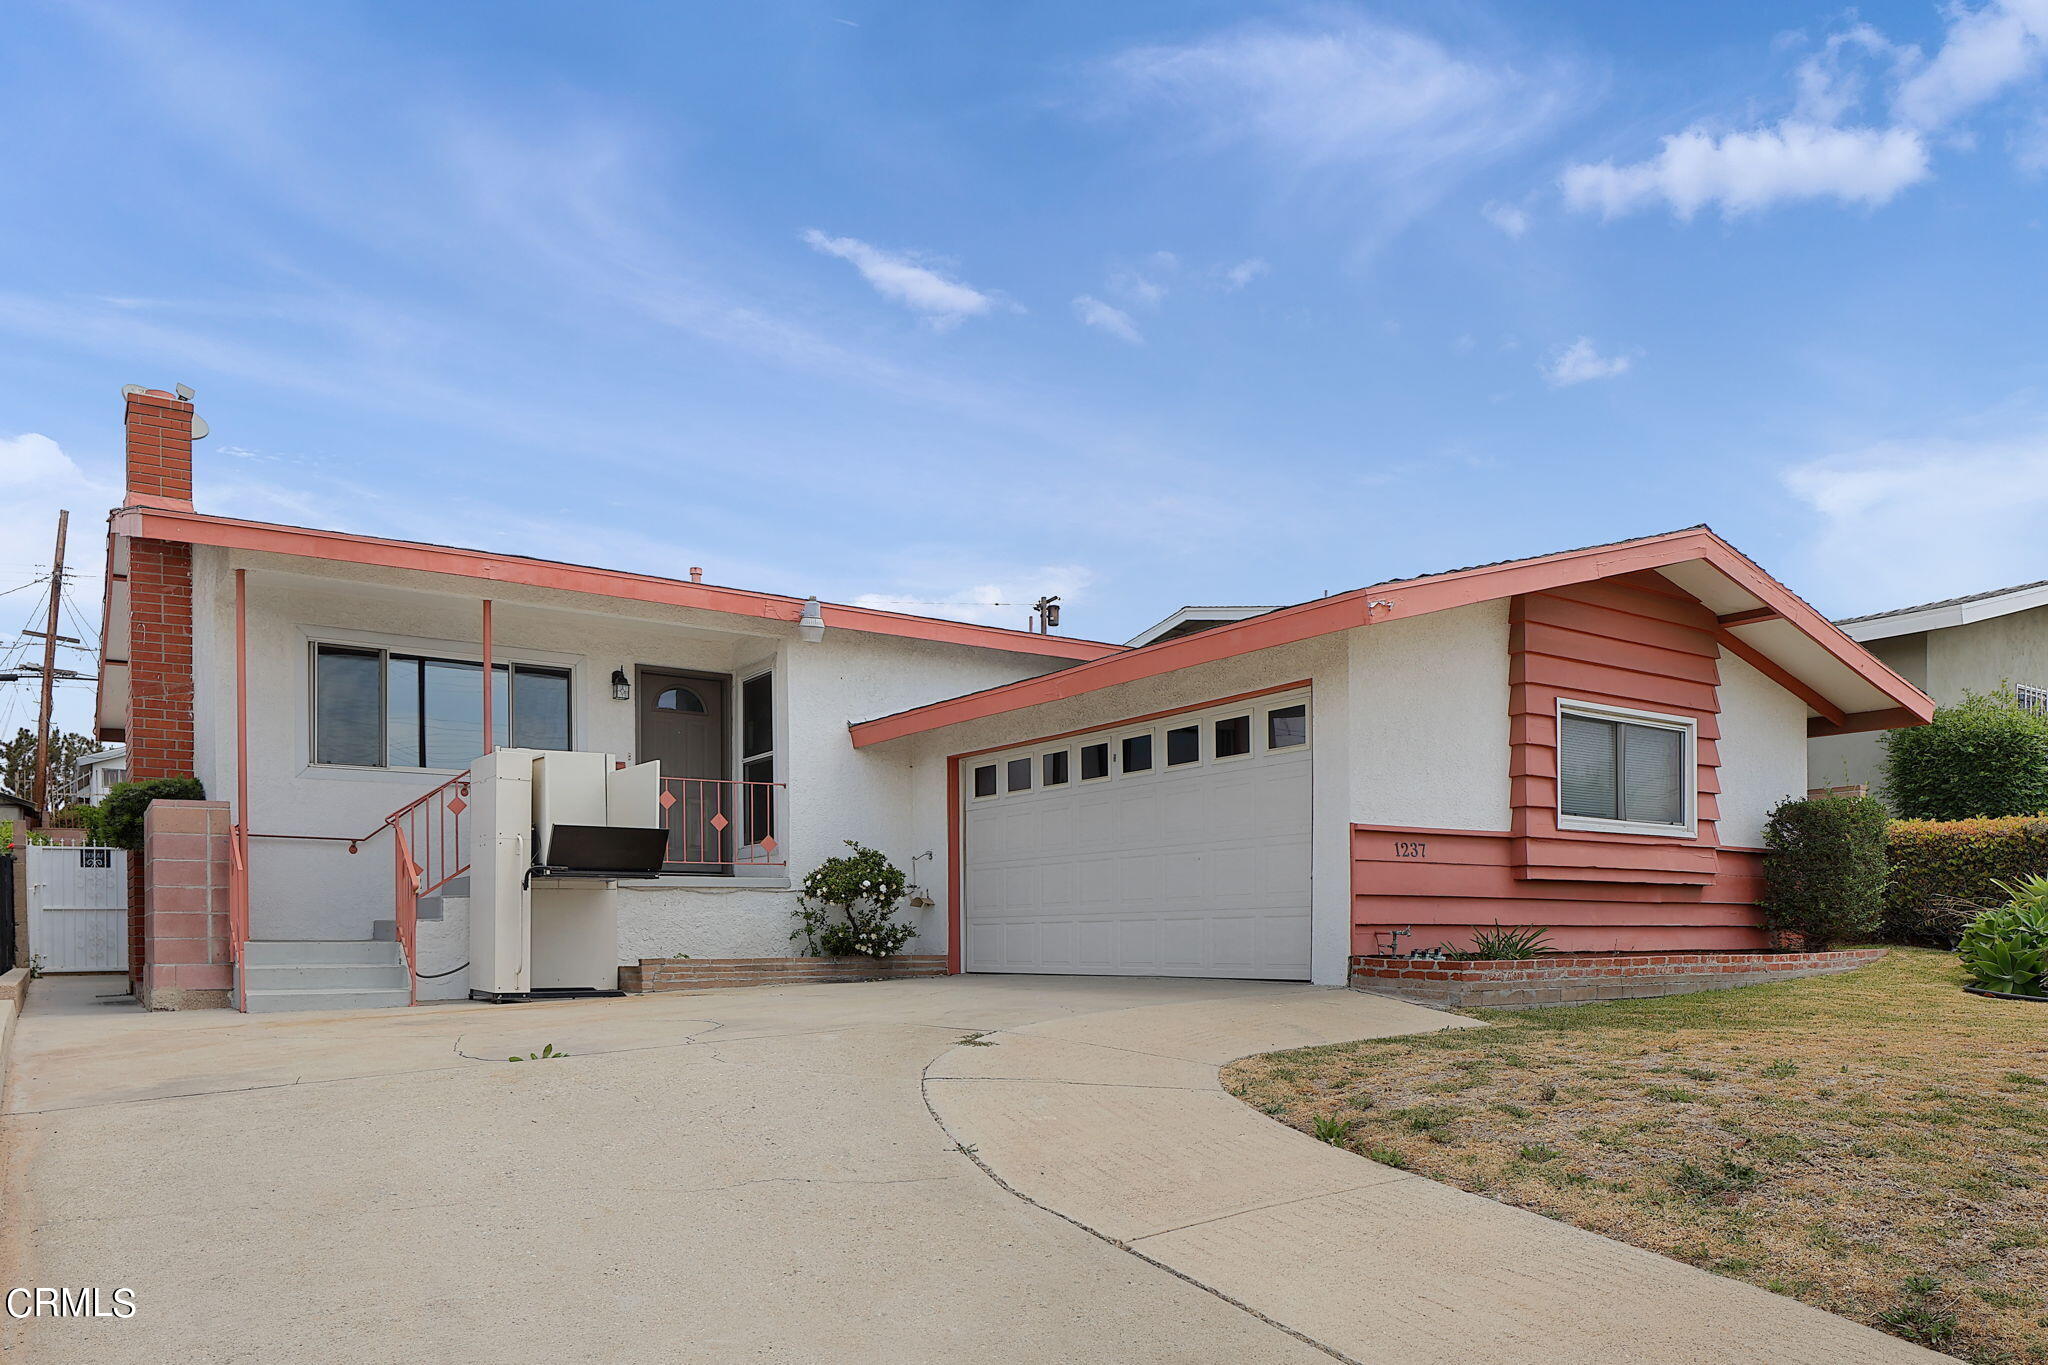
317	890
1763	751
1849	760
1429	704
1980	656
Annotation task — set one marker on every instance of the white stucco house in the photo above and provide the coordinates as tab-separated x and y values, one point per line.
1978	643
1588	740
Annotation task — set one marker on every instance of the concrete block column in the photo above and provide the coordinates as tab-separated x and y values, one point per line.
185	906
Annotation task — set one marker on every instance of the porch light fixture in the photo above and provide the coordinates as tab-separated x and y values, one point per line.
622	690
811	625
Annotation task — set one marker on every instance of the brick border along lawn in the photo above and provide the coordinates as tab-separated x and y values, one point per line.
1873	1143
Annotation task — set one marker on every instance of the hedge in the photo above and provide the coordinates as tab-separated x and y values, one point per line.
1942	869
121	813
1824	880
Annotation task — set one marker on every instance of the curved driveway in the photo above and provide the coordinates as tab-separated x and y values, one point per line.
757	1175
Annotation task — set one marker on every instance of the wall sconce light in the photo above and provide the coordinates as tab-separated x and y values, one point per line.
811	625
622	690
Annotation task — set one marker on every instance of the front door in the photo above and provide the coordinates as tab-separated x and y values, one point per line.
682	725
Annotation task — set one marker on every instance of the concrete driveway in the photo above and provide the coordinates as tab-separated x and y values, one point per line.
820	1173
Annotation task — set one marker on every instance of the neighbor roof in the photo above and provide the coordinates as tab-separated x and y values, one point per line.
1949	611
1188	620
1760	621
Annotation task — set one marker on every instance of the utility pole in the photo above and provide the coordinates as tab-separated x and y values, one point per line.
40	795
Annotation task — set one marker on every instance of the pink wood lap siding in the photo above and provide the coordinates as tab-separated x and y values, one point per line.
1635	640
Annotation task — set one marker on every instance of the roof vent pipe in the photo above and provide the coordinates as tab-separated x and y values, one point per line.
811	625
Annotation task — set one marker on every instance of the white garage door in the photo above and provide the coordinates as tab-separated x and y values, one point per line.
1175	847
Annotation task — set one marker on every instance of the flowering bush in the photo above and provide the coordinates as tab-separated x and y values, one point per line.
864	887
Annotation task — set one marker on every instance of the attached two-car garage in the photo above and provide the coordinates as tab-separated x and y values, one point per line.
1174	846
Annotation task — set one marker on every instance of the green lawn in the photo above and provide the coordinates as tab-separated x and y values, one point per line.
1874	1143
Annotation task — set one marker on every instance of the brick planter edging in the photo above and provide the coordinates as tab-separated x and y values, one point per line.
1576	978
710	973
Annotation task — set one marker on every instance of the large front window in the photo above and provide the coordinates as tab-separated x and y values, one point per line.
1619	769
375	708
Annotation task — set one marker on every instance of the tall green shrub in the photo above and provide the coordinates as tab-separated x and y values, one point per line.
121	813
1825	877
1982	757
1944	871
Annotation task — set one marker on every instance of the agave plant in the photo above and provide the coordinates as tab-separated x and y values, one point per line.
2006	948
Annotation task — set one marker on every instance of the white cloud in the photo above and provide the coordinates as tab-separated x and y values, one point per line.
1000	599
1581	361
1236	277
1821	149
1509	219
1911	521
918	287
1743	172
1341	103
1985	52
1115	321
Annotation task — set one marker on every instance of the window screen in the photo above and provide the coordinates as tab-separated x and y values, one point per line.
347	684
1613	770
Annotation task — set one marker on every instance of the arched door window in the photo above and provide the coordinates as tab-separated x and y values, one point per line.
679	699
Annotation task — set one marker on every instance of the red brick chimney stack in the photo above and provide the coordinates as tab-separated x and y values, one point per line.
161	429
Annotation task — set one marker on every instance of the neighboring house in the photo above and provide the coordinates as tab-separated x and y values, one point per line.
1588	741
1190	620
1960	644
99	773
17	810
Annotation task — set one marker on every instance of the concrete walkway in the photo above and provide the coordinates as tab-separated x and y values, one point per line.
757	1175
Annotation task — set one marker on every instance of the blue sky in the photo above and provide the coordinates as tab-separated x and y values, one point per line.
1143	304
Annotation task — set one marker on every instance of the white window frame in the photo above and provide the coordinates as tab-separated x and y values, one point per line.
1688	758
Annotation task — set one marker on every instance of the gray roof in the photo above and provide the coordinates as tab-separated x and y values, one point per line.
1944	602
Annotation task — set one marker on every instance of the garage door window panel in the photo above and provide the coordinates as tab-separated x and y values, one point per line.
1094	762
985	780
1137	753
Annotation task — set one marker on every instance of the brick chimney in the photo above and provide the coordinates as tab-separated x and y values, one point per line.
160	432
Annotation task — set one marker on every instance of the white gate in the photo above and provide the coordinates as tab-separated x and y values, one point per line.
78	907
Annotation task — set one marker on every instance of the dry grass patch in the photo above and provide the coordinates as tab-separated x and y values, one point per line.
1875	1143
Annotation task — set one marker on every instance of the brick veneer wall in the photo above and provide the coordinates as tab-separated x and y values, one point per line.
709	973
185	906
160	690
1576	978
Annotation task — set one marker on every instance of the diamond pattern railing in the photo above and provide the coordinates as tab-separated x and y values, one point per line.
715	824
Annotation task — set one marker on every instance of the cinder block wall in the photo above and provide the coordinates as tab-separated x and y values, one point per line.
185	906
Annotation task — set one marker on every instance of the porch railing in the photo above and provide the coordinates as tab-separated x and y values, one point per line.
238	909
716	824
428	850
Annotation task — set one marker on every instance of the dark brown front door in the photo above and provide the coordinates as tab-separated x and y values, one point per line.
682	725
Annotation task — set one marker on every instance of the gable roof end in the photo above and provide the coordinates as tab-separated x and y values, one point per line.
1761	621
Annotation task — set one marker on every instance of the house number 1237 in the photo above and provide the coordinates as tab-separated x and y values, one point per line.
1411	848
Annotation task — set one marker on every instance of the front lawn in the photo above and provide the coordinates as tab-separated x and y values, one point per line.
1874	1143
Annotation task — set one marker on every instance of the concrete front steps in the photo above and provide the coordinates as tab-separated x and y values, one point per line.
298	974
454	895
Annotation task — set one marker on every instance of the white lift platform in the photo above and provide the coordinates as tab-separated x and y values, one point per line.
553	832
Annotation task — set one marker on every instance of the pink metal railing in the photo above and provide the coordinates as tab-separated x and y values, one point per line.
428	850
238	909
713	823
